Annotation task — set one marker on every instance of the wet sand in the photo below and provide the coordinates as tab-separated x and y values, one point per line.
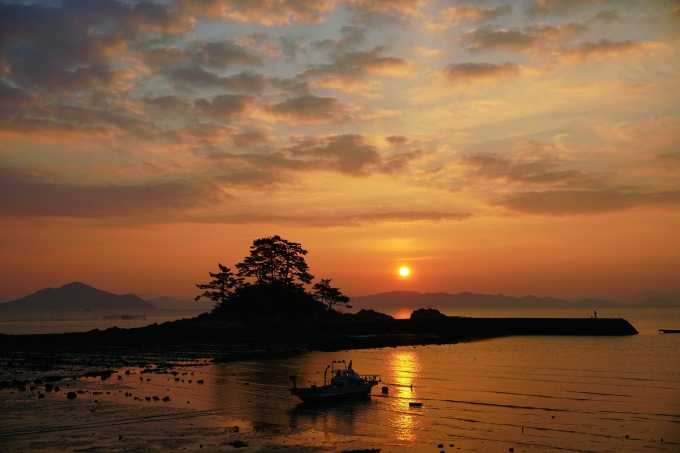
149	411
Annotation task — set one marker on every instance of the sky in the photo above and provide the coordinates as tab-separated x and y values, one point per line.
524	147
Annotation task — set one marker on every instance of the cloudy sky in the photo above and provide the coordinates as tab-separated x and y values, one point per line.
524	147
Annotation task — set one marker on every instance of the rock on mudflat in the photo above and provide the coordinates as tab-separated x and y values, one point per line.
71	395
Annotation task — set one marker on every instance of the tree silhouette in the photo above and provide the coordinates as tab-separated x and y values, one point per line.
324	292
221	288
276	261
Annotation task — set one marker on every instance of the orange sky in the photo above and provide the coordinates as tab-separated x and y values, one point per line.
495	147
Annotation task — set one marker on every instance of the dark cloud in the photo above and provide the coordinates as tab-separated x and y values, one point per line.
352	37
356	220
600	48
23	195
224	106
452	16
476	71
323	220
487	38
211	54
397	140
309	109
542	7
250	138
608	16
529	38
167	103
289	46
246	81
13	103
348	154
573	202
411	7
264	12
399	162
68	44
532	169
357	63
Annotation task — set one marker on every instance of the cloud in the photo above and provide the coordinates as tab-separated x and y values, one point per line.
608	16
452	17
397	140
535	37
349	67
599	49
357	220
411	7
26	196
561	6
289	46
399	162
250	138
264	12
532	168
352	37
224	106
480	71
68	44
168	103
487	38
246	81
326	220
574	202
309	109
212	54
347	153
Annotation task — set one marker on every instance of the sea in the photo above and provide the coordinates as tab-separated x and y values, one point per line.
521	394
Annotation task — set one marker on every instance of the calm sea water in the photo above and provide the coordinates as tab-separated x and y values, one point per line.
585	394
20	322
526	393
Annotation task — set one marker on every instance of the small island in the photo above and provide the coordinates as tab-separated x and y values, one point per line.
271	307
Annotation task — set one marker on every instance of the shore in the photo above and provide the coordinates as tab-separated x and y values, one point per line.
203	338
121	378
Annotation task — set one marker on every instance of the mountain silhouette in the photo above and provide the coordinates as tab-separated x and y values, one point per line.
76	296
646	295
657	302
470	300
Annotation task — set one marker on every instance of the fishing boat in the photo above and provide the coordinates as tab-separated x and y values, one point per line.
343	383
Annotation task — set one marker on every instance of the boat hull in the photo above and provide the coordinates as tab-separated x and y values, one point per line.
327	393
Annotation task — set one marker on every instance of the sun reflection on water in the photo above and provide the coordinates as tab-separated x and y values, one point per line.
404	368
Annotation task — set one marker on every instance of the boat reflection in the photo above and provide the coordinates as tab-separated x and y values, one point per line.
404	368
340	416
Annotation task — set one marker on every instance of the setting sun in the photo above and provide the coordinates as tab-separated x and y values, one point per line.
404	271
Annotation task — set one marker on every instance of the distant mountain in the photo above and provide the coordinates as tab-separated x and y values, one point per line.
595	303
645	295
170	303
471	300
76	296
445	300
656	302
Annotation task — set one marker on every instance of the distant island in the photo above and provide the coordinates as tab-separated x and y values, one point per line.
445	301
171	303
76	296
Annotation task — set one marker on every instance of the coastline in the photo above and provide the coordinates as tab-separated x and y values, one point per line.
206	339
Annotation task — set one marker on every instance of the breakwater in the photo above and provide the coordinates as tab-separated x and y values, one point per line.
204	337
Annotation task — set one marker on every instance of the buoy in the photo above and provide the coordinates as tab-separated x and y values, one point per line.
385	389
